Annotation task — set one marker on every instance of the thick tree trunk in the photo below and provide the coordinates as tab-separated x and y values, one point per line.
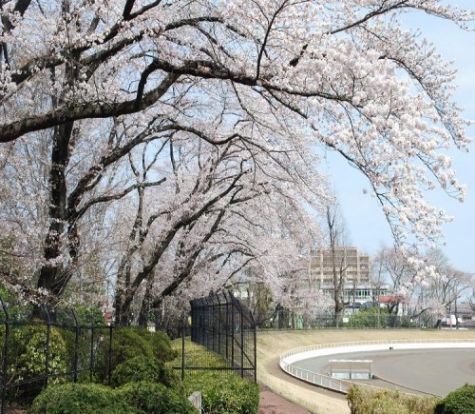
122	307
53	277
146	304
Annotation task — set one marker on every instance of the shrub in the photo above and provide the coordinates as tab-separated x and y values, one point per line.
153	398
126	344
460	401
369	318
83	351
224	392
80	399
87	315
363	400
17	310
144	369
27	359
160	343
29	345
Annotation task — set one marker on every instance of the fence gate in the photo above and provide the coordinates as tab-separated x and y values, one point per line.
223	326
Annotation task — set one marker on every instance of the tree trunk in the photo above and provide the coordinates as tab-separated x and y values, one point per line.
53	276
146	304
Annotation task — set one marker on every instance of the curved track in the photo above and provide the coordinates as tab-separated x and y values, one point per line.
432	371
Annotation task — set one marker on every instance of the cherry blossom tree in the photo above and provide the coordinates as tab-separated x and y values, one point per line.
215	215
434	289
97	80
393	268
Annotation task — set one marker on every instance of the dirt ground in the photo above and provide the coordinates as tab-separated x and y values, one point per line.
270	345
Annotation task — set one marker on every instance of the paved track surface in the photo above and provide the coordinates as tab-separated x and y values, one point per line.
272	344
429	371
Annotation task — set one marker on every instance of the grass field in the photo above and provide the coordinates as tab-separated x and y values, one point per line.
271	344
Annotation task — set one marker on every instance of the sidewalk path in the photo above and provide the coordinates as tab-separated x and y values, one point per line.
271	403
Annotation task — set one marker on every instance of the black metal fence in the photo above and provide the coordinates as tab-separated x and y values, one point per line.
65	345
359	320
224	326
52	347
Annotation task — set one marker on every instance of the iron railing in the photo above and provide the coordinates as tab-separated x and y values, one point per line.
224	326
41	346
50	347
282	320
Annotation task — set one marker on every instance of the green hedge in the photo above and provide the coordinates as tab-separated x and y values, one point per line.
369	318
80	399
460	401
27	359
143	368
160	343
131	342
126	344
223	392
135	367
83	351
29	350
153	398
365	400
133	398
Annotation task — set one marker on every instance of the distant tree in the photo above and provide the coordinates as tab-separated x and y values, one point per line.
393	267
435	288
447	285
336	244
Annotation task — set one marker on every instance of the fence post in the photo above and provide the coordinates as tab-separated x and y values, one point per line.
205	323
254	329
48	339
91	354
192	314
183	352
109	362
76	346
213	321
242	341
226	326
232	328
4	356
219	324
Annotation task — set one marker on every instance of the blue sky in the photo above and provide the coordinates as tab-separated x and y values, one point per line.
365	222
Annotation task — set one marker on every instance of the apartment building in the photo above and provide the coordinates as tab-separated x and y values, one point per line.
349	262
352	266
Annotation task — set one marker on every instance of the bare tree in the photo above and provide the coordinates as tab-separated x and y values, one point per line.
336	246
